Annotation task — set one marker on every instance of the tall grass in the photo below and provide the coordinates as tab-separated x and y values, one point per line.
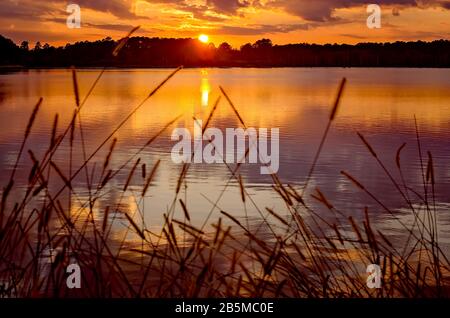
301	254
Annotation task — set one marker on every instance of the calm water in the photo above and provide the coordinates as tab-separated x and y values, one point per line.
380	103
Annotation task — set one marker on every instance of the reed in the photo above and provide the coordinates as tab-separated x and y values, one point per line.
300	253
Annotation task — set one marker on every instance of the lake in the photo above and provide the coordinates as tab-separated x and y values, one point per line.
381	104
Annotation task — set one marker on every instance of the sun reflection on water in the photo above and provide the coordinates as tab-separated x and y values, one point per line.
205	88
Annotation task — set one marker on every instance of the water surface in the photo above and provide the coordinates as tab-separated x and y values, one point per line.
379	103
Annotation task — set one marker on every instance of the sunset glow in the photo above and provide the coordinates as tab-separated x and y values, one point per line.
232	21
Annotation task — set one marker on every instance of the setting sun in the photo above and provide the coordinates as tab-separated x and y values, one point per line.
203	38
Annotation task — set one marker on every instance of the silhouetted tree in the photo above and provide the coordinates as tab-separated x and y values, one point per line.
9	52
38	46
164	52
263	44
24	46
225	47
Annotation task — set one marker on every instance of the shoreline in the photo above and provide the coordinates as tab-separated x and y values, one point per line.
28	68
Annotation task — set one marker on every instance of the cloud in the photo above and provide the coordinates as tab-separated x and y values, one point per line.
395	12
261	29
24	9
353	36
35	10
197	11
207	10
226	17
113	27
323	10
118	8
446	4
228	6
310	10
202	11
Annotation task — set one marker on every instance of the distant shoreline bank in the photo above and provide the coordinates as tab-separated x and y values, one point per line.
143	52
4	68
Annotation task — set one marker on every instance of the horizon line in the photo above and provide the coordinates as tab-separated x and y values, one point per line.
237	48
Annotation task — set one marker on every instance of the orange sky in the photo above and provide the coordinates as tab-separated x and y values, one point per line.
234	21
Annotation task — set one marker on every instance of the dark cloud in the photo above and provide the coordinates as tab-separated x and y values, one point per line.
119	8
322	10
446	4
24	9
228	6
106	26
353	36
311	10
34	10
114	27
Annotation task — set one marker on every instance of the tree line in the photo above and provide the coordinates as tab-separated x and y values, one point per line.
169	52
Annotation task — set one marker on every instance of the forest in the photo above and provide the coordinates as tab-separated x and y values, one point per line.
170	52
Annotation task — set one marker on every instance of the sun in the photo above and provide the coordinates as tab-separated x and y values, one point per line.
203	38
